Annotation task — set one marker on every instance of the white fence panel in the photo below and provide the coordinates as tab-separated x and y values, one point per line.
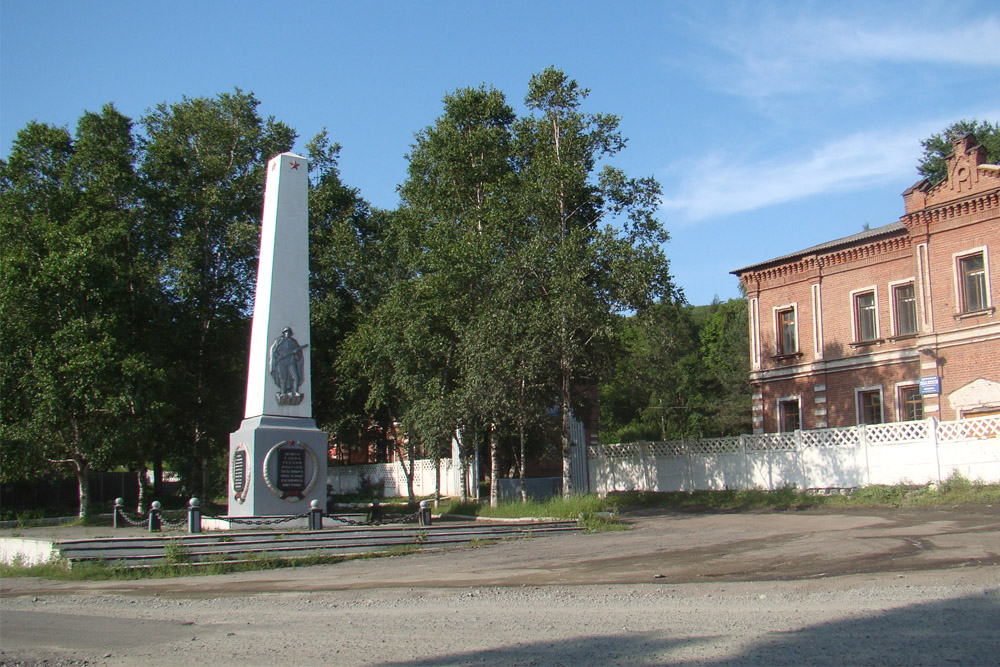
342	480
902	452
895	453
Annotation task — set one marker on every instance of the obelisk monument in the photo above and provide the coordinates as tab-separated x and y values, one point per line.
277	458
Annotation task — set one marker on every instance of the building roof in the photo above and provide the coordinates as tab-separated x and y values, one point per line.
866	235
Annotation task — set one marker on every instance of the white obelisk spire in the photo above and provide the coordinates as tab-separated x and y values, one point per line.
278	458
278	379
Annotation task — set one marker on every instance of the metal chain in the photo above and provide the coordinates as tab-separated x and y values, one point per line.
345	520
408	518
138	524
180	523
258	522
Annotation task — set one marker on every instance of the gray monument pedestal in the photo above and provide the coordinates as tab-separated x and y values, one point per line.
277	467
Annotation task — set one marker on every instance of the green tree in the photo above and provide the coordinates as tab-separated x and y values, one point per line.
450	229
648	397
725	356
938	147
343	264
681	372
78	288
587	272
202	165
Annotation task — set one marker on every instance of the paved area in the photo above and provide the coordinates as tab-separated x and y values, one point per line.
809	587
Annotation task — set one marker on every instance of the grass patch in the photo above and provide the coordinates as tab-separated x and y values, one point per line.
556	508
482	541
592	509
105	571
602	523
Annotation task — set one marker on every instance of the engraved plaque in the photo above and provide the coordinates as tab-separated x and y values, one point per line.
240	474
239	471
291	472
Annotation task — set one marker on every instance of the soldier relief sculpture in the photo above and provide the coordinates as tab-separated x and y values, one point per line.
286	366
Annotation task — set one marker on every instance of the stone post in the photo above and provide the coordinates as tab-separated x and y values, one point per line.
194	516
374	512
315	516
424	515
117	516
154	517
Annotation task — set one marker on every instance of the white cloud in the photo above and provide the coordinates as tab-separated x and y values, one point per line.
717	186
775	53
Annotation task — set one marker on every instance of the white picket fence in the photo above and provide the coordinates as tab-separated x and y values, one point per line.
348	479
902	452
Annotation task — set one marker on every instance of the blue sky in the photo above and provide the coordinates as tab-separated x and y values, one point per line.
771	126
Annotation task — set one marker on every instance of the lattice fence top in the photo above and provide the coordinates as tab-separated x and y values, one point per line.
626	450
771	442
980	428
878	435
896	433
665	448
831	437
730	445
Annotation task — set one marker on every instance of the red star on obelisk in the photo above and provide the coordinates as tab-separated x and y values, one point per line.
294	165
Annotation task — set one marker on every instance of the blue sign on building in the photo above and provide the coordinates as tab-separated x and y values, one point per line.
930	385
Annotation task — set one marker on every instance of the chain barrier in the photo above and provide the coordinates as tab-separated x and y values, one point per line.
345	520
182	522
258	522
166	523
141	523
406	518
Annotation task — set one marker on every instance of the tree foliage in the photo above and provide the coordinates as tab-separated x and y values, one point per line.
681	372
80	382
521	271
938	147
202	168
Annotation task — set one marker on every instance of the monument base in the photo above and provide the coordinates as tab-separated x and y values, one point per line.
277	467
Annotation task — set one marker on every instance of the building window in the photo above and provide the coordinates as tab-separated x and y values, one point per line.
911	405
905	307
870	406
972	279
865	317
788	337
788	415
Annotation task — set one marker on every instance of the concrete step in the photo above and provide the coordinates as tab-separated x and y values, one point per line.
227	546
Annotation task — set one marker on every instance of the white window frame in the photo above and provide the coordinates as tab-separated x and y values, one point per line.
797	399
960	288
817	305
893	316
855	334
857	402
755	338
778	333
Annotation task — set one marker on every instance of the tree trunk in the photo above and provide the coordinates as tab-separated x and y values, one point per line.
83	482
158	475
463	495
437	479
565	412
410	449
494	466
140	478
524	489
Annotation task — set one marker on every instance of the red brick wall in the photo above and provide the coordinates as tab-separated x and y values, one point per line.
958	348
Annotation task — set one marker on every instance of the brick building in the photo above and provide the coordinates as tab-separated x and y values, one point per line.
895	323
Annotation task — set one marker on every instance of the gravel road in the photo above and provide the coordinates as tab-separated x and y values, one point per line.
790	588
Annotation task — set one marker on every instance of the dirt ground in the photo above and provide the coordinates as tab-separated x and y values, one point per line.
797	587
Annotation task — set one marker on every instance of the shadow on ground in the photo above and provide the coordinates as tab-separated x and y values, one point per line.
960	631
